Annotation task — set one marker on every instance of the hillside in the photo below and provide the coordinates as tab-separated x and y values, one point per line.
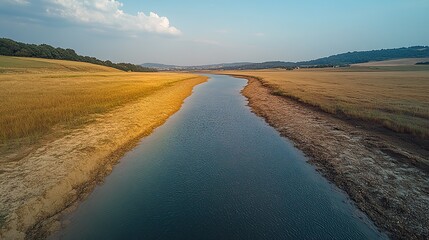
369	56
10	47
15	65
160	66
343	59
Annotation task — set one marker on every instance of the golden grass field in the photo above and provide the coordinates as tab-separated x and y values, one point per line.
396	98
38	94
65	124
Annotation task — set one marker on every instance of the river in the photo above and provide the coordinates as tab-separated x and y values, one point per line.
215	170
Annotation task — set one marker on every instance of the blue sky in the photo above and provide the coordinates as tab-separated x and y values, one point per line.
202	32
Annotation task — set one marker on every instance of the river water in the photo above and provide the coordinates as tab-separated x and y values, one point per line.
215	170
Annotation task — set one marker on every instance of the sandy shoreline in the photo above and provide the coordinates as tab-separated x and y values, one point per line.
42	184
377	171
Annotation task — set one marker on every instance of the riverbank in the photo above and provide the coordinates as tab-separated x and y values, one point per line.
379	172
215	170
41	184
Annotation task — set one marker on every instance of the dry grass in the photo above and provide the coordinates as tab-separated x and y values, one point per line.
399	100
393	63
37	94
45	107
41	65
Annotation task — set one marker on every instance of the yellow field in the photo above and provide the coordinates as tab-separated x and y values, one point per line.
399	100
68	123
38	94
41	65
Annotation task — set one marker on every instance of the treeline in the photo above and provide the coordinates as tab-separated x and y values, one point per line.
9	47
368	56
343	59
263	65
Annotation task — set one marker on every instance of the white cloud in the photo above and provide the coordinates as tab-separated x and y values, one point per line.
108	13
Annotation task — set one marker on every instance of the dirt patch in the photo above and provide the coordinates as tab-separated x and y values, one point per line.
37	187
377	171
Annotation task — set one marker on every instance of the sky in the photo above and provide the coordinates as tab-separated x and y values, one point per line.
200	32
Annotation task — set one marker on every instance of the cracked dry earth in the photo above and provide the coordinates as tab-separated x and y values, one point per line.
35	188
387	178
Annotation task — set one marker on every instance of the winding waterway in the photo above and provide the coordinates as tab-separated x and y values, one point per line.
215	170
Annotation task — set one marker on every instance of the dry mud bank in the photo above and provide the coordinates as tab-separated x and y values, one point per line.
386	177
37	187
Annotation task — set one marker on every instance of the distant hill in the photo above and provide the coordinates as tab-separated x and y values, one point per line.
264	65
369	56
9	47
160	66
343	59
